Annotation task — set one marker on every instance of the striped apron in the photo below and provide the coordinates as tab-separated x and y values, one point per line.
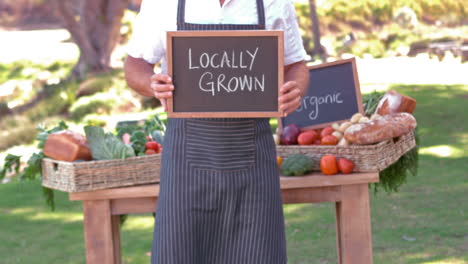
220	200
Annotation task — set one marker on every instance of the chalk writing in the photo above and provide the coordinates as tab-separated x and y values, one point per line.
312	103
243	59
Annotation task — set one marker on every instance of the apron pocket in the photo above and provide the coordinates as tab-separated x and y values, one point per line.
220	145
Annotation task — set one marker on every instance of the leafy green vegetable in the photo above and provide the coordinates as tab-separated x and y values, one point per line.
296	165
154	124
34	168
138	141
12	163
106	146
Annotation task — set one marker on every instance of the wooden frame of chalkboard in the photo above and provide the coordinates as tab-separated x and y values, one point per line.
328	75
203	59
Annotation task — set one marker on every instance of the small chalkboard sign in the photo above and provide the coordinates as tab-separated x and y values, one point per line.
333	95
225	73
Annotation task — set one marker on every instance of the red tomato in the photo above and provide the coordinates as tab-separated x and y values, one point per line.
328	165
152	145
150	152
329	140
345	165
326	131
307	137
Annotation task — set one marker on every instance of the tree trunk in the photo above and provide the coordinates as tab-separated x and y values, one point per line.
96	31
318	49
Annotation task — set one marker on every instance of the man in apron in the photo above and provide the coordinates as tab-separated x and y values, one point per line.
220	200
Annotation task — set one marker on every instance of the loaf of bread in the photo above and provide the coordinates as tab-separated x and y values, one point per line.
67	146
386	127
393	102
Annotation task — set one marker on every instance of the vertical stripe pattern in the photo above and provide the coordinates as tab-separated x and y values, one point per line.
220	200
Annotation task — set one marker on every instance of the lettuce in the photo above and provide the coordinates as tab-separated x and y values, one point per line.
106	146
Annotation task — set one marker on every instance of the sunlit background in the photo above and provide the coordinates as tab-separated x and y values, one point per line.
419	48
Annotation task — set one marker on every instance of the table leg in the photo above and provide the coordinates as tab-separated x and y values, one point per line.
116	238
354	239
98	225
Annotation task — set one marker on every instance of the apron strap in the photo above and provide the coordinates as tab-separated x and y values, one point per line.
181	14
261	14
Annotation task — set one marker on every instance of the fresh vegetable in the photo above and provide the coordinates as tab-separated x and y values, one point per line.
328	165
329	140
375	117
155	128
307	137
343	142
290	134
138	141
150	152
371	101
279	160
336	126
355	118
344	126
106	146
345	166
326	131
296	165
363	119
153	145
337	134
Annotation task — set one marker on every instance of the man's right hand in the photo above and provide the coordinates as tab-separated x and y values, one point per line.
162	87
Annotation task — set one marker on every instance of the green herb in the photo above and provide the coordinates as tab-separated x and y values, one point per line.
12	163
371	101
106	146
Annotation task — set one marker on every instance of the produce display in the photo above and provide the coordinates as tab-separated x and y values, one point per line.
390	119
60	143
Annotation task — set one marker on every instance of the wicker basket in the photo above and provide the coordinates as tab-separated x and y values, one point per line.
367	158
103	174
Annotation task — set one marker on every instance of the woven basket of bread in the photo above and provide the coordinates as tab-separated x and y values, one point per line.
367	158
102	174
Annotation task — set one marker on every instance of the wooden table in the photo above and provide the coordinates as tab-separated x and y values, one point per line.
350	194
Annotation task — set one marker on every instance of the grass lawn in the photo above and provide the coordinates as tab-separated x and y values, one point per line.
426	222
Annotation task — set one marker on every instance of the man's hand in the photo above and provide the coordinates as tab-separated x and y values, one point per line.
296	78
290	97
162	87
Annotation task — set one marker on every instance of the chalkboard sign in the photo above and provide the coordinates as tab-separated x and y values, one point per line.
333	95
225	73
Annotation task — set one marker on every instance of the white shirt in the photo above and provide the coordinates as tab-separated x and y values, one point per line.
156	17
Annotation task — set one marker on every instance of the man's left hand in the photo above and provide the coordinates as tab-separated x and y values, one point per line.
290	97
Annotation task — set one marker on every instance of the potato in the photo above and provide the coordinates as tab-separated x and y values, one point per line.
375	117
355	118
363	119
336	126
337	134
343	142
344	126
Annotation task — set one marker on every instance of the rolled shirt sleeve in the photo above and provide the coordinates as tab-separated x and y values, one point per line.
286	20
148	38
